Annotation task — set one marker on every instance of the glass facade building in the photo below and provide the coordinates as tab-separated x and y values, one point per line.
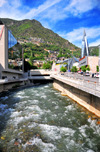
14	53
85	47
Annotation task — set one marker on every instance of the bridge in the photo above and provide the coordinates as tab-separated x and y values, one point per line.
84	92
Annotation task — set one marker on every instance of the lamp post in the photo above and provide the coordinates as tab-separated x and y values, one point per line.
99	64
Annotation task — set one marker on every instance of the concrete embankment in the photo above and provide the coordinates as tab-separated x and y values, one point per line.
85	99
5	86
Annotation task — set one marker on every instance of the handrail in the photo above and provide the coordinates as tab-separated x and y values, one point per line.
88	86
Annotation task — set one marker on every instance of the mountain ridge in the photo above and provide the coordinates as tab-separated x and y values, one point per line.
28	30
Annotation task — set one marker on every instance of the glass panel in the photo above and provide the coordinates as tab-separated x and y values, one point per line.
14	53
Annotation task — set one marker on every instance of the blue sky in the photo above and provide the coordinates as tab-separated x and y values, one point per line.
68	18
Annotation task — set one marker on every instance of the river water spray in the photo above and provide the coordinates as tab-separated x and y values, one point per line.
39	119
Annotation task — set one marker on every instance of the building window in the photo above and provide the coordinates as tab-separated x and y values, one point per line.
14	53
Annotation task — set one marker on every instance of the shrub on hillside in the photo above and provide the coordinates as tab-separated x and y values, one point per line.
46	66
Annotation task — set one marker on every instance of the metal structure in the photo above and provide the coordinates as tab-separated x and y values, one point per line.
85	49
70	62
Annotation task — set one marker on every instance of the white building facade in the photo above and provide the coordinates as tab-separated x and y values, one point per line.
10	55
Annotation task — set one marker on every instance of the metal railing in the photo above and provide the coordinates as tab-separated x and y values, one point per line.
81	82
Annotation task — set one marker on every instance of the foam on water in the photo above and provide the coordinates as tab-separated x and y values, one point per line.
15	114
55	132
90	150
17	120
93	125
70	108
45	147
46	86
43	111
20	104
83	129
43	96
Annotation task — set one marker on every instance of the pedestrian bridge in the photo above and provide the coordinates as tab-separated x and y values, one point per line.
39	72
40	78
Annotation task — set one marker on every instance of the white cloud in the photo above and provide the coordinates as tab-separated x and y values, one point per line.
2	2
77	7
45	24
36	11
52	10
91	33
63	9
55	14
95	43
75	36
16	3
11	9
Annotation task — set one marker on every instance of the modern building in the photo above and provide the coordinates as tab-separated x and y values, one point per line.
85	47
92	61
11	61
71	62
86	60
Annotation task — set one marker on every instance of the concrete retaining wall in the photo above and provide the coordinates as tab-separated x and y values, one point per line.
89	101
9	85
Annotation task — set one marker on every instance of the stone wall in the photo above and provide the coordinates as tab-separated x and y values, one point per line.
89	101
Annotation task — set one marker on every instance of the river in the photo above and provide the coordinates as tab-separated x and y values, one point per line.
39	119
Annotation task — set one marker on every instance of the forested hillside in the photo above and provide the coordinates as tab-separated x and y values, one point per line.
33	31
94	51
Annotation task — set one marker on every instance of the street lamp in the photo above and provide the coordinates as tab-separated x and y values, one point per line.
99	64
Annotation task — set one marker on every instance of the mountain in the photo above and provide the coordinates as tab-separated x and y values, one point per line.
33	31
94	50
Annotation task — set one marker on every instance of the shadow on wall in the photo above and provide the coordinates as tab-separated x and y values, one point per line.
1	69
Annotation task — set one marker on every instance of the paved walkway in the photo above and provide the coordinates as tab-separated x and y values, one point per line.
87	86
81	77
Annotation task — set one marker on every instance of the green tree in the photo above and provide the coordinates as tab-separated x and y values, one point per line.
46	66
63	69
31	60
88	68
97	68
74	69
83	68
